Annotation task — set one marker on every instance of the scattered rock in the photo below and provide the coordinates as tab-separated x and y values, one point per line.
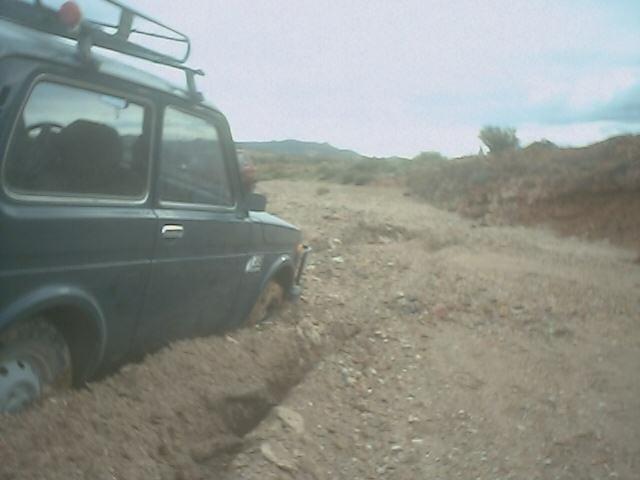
440	310
278	455
562	332
334	243
291	419
337	299
310	332
202	452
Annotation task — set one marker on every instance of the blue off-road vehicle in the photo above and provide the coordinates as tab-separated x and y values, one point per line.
124	220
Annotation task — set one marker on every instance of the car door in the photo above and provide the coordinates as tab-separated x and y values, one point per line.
202	239
76	223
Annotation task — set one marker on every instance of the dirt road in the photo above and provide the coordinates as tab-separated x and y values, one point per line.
424	347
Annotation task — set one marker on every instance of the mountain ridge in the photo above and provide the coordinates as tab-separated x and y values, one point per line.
298	148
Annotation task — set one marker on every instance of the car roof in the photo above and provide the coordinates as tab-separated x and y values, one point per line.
19	40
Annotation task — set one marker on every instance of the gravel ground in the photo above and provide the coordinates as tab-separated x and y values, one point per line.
425	346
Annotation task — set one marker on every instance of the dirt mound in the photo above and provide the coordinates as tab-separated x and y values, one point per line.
182	412
610	215
592	191
382	233
476	359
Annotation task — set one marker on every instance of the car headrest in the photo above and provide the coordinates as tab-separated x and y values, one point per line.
90	153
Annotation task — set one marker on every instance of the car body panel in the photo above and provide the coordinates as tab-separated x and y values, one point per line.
104	252
195	277
108	258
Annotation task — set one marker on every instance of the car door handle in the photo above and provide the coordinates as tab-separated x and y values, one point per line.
172	231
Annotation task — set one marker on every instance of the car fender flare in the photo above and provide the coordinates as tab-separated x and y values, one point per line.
245	304
282	262
53	296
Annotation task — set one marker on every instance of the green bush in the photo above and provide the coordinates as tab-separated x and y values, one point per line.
499	139
429	157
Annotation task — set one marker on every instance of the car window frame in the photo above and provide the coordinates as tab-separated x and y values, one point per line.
150	116
172	205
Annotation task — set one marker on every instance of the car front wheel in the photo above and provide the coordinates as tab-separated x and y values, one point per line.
34	362
271	298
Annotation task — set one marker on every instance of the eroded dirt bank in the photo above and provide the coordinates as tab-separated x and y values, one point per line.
591	192
426	346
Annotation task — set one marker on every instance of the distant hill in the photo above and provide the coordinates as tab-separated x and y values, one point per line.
299	148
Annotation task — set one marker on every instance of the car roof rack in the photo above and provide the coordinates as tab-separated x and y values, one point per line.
89	33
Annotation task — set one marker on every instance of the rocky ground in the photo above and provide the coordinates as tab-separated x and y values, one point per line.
425	346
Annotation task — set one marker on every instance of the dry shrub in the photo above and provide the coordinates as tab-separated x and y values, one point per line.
344	171
541	171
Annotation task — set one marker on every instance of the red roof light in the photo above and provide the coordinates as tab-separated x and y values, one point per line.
70	14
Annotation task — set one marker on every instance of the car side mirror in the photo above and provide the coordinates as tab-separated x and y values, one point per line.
256	202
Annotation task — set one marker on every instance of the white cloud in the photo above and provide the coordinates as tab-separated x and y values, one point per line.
576	134
399	77
577	94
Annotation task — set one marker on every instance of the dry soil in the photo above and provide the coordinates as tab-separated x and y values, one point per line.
425	346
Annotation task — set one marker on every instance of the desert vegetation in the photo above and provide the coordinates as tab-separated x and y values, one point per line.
498	139
592	191
361	171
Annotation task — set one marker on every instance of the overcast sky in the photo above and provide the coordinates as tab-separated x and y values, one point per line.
398	77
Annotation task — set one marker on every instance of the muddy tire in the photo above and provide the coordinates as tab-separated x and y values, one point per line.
271	299
34	362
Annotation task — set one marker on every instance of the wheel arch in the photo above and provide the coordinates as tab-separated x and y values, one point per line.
75	314
282	271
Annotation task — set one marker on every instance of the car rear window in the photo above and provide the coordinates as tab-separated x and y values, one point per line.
192	168
78	142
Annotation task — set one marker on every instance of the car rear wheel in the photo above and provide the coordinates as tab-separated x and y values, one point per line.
34	362
271	298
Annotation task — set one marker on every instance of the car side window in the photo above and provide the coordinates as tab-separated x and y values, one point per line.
74	142
192	162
